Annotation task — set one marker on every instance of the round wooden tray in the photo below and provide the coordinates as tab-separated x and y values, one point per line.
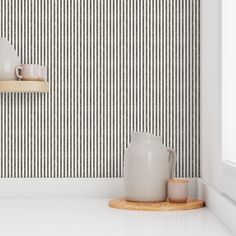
121	203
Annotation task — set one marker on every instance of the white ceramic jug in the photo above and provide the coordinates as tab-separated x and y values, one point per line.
148	166
8	60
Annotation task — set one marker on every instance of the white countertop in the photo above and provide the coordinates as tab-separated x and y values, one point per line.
85	217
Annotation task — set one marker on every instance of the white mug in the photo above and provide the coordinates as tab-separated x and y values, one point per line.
43	73
31	72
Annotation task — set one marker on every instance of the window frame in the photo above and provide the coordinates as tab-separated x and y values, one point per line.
227	170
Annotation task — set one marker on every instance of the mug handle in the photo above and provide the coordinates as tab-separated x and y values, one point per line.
19	68
172	162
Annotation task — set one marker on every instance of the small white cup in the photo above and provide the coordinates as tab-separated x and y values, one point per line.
177	190
31	72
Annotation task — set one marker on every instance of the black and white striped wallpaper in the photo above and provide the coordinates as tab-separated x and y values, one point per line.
115	66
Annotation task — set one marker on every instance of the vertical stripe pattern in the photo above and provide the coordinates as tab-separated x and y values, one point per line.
113	67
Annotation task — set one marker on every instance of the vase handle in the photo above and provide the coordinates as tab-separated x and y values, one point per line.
19	68
172	162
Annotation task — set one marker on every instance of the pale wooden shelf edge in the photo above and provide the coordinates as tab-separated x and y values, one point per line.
24	86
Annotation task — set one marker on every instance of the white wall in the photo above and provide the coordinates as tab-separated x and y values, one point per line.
209	90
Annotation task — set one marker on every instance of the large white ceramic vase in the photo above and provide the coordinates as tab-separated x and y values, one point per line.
148	166
8	60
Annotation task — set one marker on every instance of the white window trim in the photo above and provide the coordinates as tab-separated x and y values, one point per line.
227	170
213	170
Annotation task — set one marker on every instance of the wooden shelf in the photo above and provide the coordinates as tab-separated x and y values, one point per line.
7	86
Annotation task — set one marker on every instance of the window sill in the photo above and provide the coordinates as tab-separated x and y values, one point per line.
27	201
26	217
